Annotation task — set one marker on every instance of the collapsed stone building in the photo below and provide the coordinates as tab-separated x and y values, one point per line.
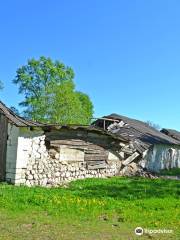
33	153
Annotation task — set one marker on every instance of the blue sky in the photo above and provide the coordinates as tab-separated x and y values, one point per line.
125	54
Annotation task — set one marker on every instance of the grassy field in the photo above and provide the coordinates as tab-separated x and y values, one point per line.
91	209
170	172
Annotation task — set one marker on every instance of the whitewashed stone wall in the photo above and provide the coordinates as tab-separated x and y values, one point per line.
161	156
19	146
33	164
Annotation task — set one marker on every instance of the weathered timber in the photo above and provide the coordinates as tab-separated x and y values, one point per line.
89	148
76	143
95	162
127	150
139	147
66	137
100	139
91	157
15	119
3	141
130	158
71	142
97	166
65	134
92	146
94	151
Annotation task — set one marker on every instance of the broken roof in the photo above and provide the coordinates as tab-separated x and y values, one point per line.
17	120
88	128
138	131
132	130
21	122
172	133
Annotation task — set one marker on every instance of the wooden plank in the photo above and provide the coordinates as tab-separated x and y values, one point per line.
97	166
66	134
76	142
130	159
138	147
92	146
102	140
94	157
126	150
72	142
93	139
95	162
95	151
3	145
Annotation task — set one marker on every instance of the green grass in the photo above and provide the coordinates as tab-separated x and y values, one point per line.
91	209
170	172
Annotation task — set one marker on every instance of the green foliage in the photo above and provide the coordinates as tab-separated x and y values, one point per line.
86	105
50	94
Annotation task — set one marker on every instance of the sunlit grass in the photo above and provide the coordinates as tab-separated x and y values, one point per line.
121	202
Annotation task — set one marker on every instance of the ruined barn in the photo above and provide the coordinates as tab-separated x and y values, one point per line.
158	150
33	153
40	154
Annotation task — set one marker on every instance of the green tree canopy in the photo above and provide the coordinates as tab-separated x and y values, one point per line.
50	94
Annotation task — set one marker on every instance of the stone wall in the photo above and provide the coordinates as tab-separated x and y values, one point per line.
35	164
55	157
161	156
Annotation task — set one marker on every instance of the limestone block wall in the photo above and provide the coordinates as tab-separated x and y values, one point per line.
19	147
51	171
